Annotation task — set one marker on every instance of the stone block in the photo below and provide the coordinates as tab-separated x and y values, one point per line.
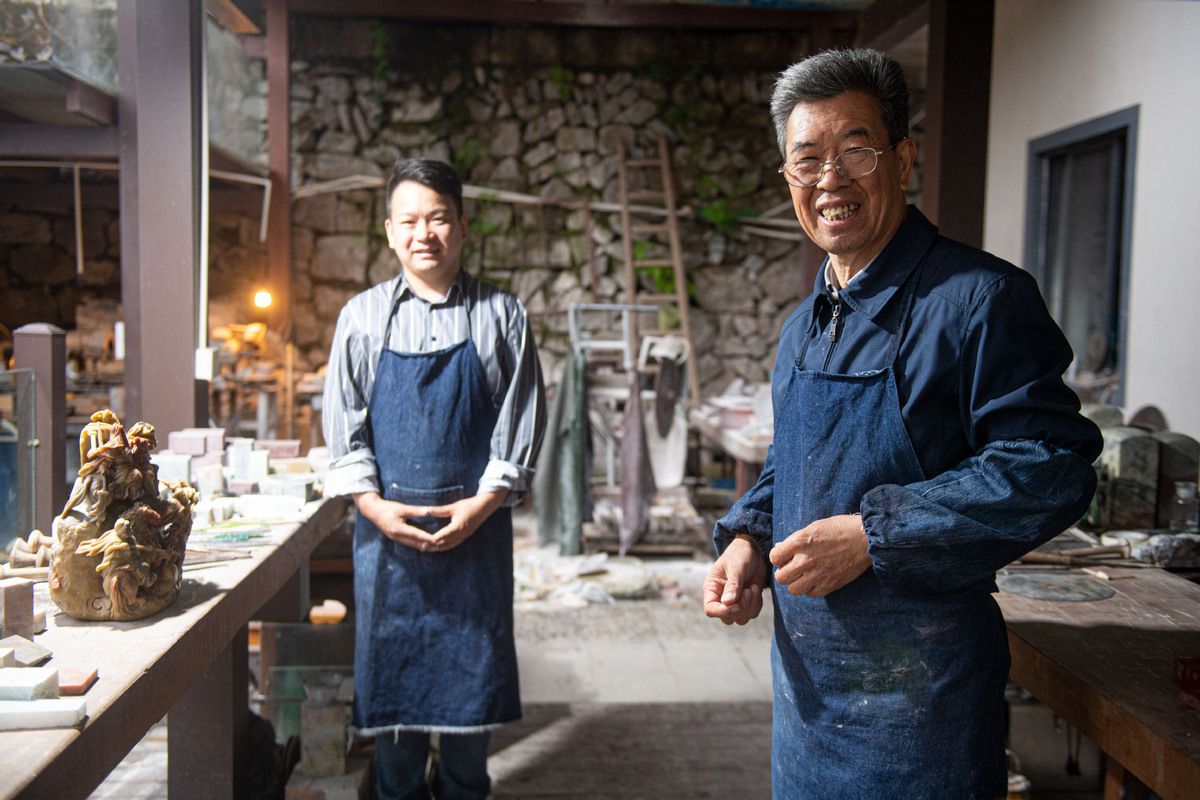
28	683
1131	459
16	607
8	657
26	652
1178	460
214	438
279	448
172	466
301	485
192	444
322	738
1104	415
62	712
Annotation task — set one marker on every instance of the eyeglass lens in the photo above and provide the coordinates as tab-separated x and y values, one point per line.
852	164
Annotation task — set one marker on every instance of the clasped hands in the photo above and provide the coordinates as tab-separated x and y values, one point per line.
815	561
463	517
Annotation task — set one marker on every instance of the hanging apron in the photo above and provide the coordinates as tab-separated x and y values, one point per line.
434	630
880	693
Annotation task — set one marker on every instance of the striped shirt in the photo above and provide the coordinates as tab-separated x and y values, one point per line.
496	323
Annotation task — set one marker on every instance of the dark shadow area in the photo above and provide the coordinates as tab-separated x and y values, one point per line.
635	752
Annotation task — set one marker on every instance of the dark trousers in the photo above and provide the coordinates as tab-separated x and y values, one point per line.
401	761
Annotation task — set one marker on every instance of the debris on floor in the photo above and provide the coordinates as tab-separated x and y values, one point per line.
542	575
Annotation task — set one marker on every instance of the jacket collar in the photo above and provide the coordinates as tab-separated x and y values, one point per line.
871	291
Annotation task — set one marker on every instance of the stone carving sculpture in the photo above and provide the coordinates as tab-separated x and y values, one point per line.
119	542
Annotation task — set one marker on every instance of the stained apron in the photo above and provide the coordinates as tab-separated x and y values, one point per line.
434	630
879	692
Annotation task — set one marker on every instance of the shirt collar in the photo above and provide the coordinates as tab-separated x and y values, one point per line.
875	285
401	290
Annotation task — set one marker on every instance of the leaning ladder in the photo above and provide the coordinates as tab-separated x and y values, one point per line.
664	196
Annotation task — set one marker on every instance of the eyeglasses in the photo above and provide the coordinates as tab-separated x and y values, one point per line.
852	165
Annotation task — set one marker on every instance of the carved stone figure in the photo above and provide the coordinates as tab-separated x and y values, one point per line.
119	542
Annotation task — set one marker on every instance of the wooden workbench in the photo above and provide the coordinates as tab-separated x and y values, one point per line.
189	660
749	454
1105	666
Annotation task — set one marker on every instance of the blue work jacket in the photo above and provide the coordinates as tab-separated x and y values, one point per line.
1006	455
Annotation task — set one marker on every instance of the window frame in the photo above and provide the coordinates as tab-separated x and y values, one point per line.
1040	151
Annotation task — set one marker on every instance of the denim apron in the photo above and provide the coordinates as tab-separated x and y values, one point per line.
880	693
434	631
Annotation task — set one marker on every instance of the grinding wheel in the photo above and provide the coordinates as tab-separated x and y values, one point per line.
1065	586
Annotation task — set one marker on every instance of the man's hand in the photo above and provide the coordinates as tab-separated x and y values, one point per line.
822	557
465	517
734	586
392	519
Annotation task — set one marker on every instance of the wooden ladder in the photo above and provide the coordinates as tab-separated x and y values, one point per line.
664	198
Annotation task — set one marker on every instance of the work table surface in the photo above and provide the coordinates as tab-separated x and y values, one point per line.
1106	666
146	665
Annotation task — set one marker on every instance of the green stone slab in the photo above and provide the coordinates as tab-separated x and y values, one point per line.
1063	586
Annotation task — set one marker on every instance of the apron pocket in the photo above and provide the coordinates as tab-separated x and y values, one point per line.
426	497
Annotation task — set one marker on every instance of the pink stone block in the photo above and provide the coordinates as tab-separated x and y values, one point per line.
214	438
192	444
16	607
279	448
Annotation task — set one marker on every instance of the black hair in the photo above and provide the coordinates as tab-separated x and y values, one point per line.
436	175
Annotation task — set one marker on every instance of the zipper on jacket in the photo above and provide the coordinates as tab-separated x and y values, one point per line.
834	330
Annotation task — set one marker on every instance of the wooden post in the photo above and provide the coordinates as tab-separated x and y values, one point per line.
162	146
42	425
208	730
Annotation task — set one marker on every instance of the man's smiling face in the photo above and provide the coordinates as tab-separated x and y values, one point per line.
851	220
426	234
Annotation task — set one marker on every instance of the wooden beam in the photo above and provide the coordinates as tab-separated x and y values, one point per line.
279	222
887	23
89	102
25	140
600	15
957	106
160	55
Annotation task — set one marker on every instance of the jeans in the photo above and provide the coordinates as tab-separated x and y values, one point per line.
461	774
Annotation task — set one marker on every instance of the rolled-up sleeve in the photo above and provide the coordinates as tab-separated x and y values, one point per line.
1030	476
751	514
344	408
521	423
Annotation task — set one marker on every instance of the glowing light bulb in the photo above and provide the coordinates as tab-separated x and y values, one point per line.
262	299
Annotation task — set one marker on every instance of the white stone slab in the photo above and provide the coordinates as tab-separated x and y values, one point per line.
28	683
24	714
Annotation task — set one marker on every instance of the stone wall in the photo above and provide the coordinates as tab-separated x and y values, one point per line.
516	109
539	112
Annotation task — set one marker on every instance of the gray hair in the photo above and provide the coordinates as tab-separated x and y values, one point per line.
835	72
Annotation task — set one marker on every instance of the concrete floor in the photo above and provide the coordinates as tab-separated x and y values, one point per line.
633	699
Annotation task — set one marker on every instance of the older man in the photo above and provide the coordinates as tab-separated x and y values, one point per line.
923	439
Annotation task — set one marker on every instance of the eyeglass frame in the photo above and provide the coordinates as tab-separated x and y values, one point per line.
826	164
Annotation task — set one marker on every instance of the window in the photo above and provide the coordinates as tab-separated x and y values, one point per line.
1080	205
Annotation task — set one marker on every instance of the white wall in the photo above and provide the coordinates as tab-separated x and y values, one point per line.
1058	63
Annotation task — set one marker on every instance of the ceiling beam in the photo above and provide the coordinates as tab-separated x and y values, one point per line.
887	23
599	15
26	140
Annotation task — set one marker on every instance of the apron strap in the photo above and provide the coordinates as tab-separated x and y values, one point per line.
467	305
